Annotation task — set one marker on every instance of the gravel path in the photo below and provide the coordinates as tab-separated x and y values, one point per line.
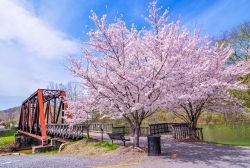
193	155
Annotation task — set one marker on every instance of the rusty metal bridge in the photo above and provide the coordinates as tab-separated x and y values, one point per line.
42	111
43	114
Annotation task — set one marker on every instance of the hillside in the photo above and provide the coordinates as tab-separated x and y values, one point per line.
11	113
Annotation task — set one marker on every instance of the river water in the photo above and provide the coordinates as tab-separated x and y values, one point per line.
234	134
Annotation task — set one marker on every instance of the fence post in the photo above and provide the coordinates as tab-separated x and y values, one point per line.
102	134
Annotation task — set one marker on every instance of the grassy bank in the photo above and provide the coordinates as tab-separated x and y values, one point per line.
92	149
7	138
237	134
107	146
89	148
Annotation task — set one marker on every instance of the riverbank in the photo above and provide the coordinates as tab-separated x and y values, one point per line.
7	140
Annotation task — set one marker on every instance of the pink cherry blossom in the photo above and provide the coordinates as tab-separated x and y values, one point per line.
134	73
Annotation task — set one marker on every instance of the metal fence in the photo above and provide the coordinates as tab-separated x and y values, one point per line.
178	130
160	128
105	127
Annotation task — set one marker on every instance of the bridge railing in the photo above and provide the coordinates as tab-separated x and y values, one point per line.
78	130
66	131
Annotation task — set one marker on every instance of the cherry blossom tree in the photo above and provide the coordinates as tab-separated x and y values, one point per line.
205	81
81	110
134	73
118	69
200	78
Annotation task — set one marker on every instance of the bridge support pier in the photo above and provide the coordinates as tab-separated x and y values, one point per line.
54	145
40	149
57	142
25	142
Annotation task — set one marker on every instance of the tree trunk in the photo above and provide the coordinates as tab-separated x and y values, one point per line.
135	124
88	132
193	127
192	115
137	135
132	130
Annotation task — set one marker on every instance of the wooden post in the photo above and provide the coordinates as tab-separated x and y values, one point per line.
102	134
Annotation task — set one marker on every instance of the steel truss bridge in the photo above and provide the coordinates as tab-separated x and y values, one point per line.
43	114
41	110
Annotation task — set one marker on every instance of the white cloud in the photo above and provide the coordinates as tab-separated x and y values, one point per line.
32	53
20	25
22	73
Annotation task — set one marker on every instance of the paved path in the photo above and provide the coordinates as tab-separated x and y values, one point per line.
207	155
47	161
193	155
200	155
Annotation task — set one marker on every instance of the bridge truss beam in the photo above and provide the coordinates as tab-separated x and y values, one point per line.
41	108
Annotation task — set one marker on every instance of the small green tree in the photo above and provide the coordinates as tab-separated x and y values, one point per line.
10	124
239	39
244	95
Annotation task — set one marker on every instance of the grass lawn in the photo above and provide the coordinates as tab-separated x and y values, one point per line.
107	146
89	148
7	138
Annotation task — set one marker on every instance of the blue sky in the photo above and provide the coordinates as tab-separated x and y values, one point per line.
36	36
